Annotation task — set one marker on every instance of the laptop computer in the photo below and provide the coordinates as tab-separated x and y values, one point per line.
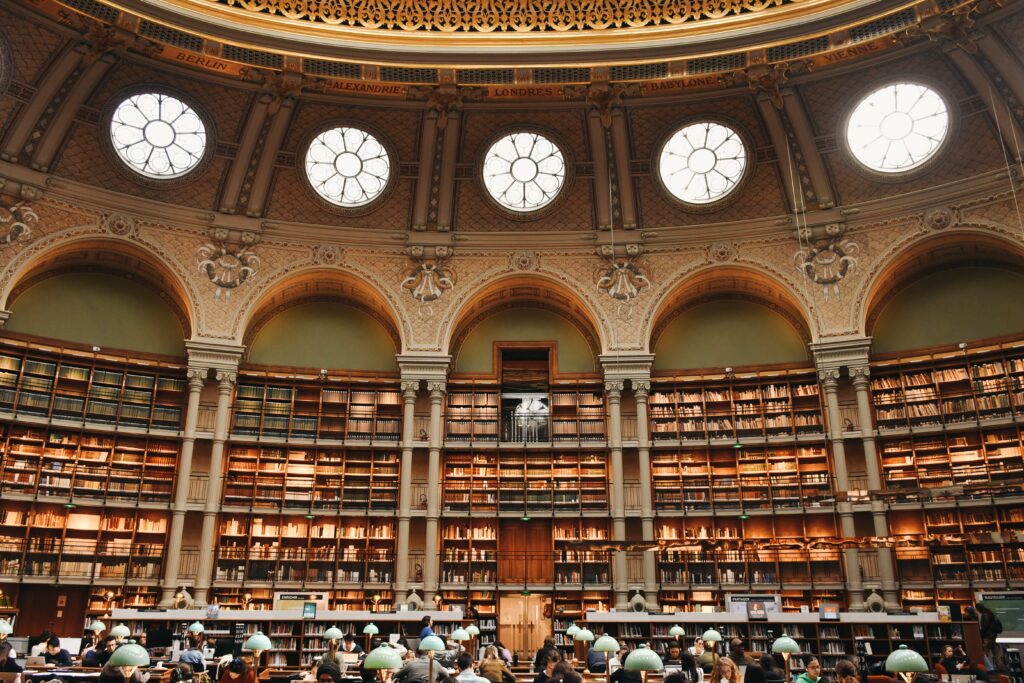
35	662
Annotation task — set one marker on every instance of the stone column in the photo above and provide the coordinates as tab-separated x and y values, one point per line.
641	391
405	490
172	556
861	376
829	379
613	392
207	543
430	559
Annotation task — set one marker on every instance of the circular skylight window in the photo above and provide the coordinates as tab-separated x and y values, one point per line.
157	135
524	171
702	162
347	166
898	127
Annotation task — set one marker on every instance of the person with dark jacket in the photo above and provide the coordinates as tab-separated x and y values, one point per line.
737	654
754	674
540	659
772	672
8	664
990	627
689	669
55	654
97	657
548	666
596	662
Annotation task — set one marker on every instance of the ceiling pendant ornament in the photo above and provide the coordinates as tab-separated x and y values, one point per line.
446	99
228	263
825	256
768	79
427	279
622	278
603	97
16	218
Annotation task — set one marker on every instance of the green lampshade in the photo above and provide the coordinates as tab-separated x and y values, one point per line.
905	660
5	627
432	644
96	626
473	630
643	659
785	645
370	629
120	631
711	636
459	635
676	631
129	655
572	630
584	635
196	628
257	642
605	644
333	633
384	657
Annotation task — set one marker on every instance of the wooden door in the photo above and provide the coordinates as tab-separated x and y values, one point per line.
60	609
525	552
522	624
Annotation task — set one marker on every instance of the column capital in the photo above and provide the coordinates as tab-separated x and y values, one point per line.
613	389
860	374
409	389
841	352
641	388
437	390
226	379
196	378
829	378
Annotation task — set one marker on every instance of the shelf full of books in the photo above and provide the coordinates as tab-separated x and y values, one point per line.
311	478
81	544
305	549
977	458
513	481
747	478
949	388
42	462
748	406
90	387
278	406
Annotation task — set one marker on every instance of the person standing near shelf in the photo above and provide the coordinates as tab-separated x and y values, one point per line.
425	627
990	627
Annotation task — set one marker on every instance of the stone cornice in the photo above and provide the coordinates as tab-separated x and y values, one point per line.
839	353
432	368
213	355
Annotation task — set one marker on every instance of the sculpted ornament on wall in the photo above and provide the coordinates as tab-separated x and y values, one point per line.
825	257
622	279
16	218
428	279
228	265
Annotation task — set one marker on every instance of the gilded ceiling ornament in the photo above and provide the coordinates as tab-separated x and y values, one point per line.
445	99
501	15
16	218
428	278
603	97
227	265
955	28
825	257
102	39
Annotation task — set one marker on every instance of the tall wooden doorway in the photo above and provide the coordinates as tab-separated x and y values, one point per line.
522	624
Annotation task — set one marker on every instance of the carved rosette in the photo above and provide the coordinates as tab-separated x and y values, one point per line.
722	251
523	260
121	225
939	219
328	254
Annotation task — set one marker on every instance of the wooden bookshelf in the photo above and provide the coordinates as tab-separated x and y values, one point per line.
295	641
515	480
275	406
73	464
569	607
469	551
81	544
472	413
577	412
270	549
967	458
91	388
575	563
949	388
748	406
730	478
761	552
290	478
872	636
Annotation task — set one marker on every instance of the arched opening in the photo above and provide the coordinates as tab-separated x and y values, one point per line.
518	311
729	317
947	290
102	294
323	319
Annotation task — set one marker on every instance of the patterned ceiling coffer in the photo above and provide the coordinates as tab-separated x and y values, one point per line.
487	16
